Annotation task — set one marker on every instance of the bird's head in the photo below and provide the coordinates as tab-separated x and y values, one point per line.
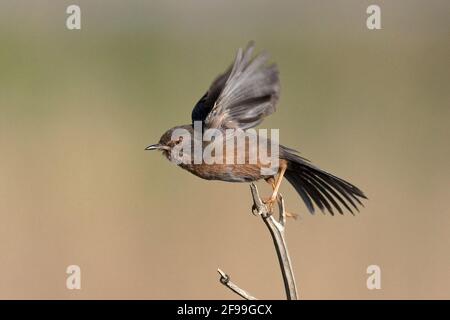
172	138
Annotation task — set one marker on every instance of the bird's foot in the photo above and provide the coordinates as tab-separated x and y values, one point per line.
270	202
291	215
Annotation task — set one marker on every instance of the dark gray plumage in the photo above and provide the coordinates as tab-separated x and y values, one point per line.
316	186
241	97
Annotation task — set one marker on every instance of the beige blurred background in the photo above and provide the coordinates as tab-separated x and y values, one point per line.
77	109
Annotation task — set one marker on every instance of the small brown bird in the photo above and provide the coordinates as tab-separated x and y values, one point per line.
241	98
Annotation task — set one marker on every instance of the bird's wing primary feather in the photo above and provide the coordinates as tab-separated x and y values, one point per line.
242	96
206	103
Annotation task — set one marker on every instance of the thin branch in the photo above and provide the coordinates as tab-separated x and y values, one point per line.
276	229
225	280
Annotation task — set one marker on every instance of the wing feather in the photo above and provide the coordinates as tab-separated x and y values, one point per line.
242	96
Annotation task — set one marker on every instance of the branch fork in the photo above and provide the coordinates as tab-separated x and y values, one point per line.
277	231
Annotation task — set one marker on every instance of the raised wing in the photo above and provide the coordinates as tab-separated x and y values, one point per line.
242	96
206	103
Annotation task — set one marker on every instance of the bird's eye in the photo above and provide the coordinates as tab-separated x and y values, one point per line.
179	140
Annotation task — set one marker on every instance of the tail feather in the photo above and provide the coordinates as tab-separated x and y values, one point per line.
303	193
320	188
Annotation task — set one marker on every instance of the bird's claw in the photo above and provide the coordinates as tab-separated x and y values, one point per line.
270	205
270	202
291	215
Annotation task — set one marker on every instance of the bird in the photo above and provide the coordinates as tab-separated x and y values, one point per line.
240	99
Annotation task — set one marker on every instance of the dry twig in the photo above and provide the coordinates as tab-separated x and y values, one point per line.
276	229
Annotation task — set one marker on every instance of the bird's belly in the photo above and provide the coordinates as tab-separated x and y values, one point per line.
229	173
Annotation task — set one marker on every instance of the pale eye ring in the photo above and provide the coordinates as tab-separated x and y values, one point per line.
180	139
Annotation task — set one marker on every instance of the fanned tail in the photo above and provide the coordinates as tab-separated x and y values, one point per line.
319	188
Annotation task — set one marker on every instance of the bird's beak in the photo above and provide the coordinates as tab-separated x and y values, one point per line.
155	146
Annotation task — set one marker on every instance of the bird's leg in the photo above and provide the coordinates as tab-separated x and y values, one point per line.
275	185
271	181
278	183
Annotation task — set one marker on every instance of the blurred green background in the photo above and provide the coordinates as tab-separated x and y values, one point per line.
77	109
